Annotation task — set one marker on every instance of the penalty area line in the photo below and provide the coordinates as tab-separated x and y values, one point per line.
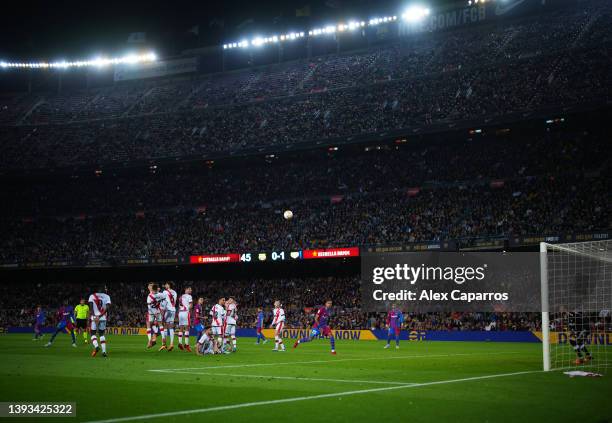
306	398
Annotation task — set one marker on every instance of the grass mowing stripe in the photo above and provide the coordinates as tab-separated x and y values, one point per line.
234	366
309	379
306	398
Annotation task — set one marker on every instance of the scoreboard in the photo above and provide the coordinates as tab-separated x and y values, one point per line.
275	256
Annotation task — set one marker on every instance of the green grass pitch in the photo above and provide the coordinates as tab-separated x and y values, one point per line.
420	382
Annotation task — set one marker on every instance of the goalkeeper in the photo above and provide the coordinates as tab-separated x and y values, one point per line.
580	331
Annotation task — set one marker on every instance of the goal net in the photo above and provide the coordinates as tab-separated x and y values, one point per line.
577	302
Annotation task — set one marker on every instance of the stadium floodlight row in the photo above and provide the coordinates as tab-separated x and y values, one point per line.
412	14
97	62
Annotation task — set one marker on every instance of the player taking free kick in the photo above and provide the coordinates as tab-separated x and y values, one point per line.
321	327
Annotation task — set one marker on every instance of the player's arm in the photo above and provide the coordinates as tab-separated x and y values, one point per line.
96	318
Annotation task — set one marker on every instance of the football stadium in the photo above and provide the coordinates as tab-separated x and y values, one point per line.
316	211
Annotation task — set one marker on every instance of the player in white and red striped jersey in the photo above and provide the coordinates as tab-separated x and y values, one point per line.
278	322
153	318
230	321
184	318
217	321
99	303
169	314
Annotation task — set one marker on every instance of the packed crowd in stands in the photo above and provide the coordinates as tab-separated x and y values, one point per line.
545	205
434	78
434	190
387	168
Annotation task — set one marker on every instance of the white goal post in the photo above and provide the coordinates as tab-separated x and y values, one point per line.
576	295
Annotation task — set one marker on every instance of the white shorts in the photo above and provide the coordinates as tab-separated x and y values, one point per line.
154	317
216	330
169	316
101	325
230	330
183	318
279	328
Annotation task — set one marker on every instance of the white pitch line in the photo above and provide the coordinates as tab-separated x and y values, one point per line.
291	363
311	379
305	398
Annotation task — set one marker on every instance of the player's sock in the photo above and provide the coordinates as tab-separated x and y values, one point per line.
276	342
73	337
305	339
234	341
397	340
220	342
53	336
94	341
149	334
388	337
186	338
171	334
163	335
103	343
332	342
180	337
85	336
281	344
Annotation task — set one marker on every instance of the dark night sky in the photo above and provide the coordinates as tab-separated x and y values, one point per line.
52	30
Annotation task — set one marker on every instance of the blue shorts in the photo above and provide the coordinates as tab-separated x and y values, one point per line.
199	327
61	325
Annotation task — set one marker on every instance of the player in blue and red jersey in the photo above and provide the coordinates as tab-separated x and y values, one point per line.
259	326
199	317
66	322
321	327
39	323
395	318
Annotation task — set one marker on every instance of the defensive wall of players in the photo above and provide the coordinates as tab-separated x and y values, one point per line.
560	338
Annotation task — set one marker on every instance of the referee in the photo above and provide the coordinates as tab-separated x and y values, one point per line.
82	317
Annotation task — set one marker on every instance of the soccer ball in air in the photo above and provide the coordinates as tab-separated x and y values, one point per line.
288	214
